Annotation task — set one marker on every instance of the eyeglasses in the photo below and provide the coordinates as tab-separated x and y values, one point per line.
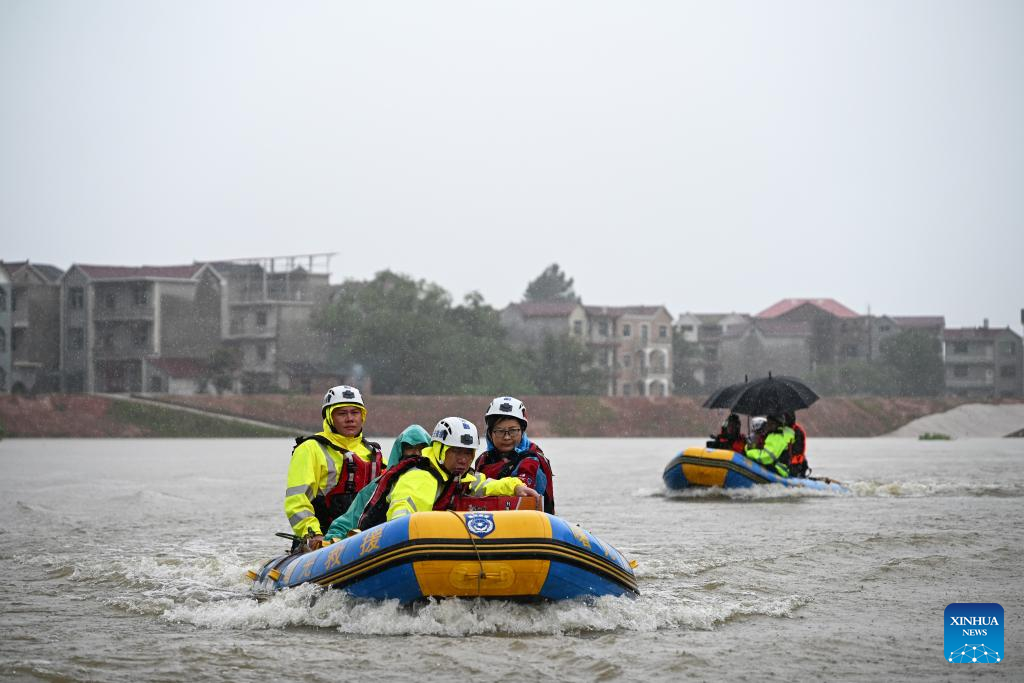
514	432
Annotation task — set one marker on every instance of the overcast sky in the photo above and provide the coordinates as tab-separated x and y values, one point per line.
709	156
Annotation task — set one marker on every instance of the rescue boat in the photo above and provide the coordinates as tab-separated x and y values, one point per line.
705	467
507	554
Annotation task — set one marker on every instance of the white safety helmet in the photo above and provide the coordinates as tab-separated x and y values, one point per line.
456	431
342	395
505	406
758	423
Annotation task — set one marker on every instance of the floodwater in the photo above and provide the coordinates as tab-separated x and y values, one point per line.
124	560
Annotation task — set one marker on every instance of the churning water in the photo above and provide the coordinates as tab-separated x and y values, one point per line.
124	560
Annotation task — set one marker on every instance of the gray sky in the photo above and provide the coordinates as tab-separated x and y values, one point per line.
708	156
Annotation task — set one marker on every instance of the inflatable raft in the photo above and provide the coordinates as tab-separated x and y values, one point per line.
514	554
704	467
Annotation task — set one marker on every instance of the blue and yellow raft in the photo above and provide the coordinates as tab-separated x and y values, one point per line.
515	554
705	467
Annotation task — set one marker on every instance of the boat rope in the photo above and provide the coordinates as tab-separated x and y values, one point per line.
482	574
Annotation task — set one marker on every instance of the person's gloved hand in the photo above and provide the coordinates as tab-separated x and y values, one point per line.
524	491
314	542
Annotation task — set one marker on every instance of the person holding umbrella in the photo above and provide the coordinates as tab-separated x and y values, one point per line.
773	452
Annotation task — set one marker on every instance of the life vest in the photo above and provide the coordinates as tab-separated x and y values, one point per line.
498	466
798	459
722	441
376	510
354	475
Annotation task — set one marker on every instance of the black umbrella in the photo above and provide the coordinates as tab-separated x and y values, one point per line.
764	396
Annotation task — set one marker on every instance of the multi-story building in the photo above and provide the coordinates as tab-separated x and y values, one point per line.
837	332
5	330
632	345
33	332
702	334
763	346
267	311
983	362
115	319
642	338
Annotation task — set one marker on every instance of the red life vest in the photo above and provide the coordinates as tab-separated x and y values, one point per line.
376	510
354	475
522	465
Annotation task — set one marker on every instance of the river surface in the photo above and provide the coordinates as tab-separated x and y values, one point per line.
124	560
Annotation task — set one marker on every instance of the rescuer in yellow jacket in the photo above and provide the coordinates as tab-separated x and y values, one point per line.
772	453
439	476
329	468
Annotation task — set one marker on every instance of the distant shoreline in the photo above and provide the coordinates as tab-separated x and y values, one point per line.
279	415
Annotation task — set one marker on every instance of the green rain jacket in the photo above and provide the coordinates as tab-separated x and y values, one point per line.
413	435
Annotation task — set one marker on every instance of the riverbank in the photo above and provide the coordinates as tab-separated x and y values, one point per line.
81	415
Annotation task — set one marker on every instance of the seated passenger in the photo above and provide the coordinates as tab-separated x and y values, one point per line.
769	446
329	468
438	478
798	466
409	444
731	438
511	453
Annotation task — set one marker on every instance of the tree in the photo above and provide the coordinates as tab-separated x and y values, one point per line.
563	367
915	359
551	285
222	368
685	359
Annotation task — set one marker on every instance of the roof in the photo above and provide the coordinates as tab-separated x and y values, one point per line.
49	273
919	321
616	311
969	333
179	368
545	309
140	272
830	306
772	328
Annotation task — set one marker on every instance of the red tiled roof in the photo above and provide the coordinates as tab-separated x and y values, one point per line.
546	309
828	305
179	368
139	272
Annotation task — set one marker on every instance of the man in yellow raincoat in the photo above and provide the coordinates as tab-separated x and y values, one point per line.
329	468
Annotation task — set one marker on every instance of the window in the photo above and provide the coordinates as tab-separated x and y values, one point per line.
3	299
959	370
643	333
663	332
883	328
959	347
261	319
577	327
1008	371
627	390
110	301
602	329
76	297
686	328
14	300
3	340
140	337
627	331
140	295
850	350
155	384
1008	348
710	353
108	341
626	360
76	338
261	351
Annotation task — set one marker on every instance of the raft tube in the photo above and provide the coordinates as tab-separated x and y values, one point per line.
514	554
704	467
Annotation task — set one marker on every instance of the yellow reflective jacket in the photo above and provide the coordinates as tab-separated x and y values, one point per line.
313	471
417	489
775	445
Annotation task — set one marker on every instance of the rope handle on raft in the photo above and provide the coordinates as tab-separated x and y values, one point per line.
482	574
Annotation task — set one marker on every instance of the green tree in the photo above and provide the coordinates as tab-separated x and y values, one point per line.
685	357
915	360
222	368
551	285
562	366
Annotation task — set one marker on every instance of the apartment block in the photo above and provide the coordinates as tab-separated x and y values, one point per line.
30	324
983	362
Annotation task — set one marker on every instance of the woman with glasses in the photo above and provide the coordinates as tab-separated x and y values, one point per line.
511	453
